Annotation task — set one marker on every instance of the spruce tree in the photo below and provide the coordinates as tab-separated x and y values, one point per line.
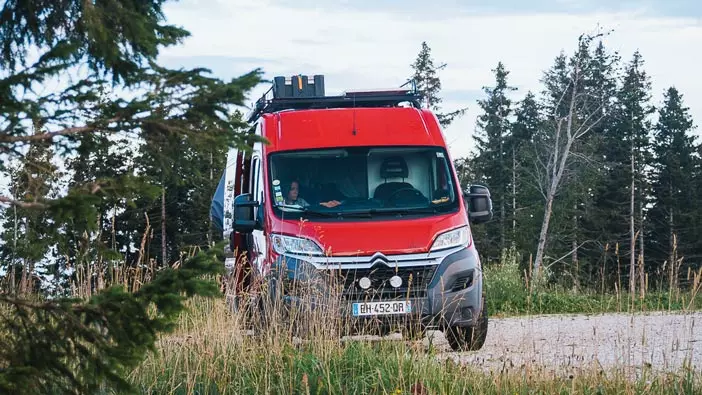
492	161
606	191
633	120
673	219
107	52
98	156
428	84
527	206
29	236
616	216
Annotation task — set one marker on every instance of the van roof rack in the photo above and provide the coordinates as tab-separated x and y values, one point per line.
300	93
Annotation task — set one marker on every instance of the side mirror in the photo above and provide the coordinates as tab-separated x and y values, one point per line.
244	221
479	204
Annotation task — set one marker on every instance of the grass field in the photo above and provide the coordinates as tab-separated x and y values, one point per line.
209	354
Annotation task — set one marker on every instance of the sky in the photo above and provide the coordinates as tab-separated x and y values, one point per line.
371	43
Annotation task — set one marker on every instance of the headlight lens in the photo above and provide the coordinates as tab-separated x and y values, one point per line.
294	245
452	238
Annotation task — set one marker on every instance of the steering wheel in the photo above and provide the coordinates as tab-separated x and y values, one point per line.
409	191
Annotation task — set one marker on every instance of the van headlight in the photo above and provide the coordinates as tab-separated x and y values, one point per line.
295	245
452	238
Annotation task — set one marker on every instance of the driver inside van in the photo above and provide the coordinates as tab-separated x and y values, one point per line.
293	197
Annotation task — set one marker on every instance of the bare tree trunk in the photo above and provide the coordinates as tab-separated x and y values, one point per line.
604	268
671	240
576	269
542	235
503	190
23	279
502	198
514	196
564	138
557	170
632	235
559	161
642	261
164	250
13	273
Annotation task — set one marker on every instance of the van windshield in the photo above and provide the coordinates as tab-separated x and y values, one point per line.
371	182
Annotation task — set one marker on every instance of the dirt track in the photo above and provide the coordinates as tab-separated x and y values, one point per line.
562	344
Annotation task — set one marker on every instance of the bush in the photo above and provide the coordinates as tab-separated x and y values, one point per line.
508	293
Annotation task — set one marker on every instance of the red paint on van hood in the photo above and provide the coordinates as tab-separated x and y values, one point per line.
353	237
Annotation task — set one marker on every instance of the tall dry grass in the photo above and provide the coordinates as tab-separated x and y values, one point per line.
215	350
211	352
512	291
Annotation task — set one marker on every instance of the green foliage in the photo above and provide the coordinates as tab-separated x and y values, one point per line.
113	36
73	346
508	294
674	231
528	197
109	97
119	100
429	85
588	239
493	163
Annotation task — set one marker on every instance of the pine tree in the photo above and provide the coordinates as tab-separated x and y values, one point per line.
29	236
586	171
181	168
606	191
428	84
673	219
526	207
98	156
492	161
64	345
633	113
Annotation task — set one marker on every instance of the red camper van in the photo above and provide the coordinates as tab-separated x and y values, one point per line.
359	186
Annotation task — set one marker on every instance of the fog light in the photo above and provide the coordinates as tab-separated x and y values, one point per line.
396	281
364	282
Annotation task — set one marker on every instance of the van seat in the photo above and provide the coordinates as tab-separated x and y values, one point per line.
392	167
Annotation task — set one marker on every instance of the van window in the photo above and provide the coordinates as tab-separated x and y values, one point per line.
371	182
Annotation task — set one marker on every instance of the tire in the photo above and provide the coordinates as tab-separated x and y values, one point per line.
469	338
273	316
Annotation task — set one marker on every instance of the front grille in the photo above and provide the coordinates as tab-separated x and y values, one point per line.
415	281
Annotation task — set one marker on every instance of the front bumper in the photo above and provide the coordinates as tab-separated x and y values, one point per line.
448	287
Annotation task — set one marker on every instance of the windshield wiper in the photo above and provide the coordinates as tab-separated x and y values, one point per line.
355	214
405	210
305	210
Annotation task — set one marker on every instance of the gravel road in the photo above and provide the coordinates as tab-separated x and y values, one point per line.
659	341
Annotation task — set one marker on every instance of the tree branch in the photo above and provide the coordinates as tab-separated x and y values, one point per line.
21	204
50	135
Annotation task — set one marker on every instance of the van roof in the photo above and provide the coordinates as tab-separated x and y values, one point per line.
345	127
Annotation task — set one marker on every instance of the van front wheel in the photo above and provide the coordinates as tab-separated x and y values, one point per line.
470	338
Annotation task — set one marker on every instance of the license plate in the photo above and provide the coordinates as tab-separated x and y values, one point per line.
382	308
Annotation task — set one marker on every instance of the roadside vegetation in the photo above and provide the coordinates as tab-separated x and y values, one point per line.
509	292
210	353
110	159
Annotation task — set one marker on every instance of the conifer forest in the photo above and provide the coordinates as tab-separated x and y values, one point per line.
110	159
